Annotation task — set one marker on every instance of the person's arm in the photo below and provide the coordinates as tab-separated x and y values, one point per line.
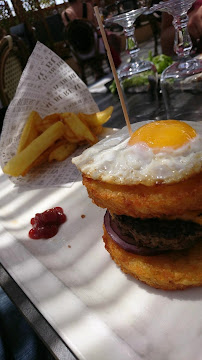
167	34
65	18
195	23
91	15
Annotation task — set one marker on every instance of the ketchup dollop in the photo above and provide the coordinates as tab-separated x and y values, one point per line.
46	224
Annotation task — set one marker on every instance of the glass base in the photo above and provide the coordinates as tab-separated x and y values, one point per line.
189	116
143	105
183	105
139	82
130	68
183	69
181	85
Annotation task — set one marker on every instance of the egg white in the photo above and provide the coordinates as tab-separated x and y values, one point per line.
113	161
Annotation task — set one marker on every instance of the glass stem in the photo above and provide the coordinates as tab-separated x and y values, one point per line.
182	41
131	44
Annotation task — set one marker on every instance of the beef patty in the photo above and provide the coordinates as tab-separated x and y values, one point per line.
158	233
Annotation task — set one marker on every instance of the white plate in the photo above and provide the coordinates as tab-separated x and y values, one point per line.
98	311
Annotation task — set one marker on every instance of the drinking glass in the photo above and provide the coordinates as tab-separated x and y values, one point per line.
181	82
138	78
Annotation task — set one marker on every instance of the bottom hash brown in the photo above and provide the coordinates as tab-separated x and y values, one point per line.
175	270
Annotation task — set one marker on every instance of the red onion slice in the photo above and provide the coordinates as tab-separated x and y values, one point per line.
121	240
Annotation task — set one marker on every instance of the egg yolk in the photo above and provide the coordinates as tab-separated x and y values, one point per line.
163	133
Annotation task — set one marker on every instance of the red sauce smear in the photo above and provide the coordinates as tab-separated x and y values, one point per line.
46	225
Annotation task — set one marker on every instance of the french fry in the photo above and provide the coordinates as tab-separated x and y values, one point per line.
79	128
62	152
21	161
47	121
39	161
29	132
97	129
69	135
55	137
43	158
98	118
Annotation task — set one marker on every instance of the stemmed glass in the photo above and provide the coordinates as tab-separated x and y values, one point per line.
181	82
138	78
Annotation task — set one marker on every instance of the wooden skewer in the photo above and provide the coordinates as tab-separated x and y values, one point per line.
111	61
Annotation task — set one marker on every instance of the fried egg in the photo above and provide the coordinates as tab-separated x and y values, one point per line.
165	151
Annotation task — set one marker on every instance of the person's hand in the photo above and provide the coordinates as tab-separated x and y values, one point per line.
195	23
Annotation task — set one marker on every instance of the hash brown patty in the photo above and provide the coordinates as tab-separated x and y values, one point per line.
174	270
147	201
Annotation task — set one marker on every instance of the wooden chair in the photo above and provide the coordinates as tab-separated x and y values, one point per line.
83	40
13	58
